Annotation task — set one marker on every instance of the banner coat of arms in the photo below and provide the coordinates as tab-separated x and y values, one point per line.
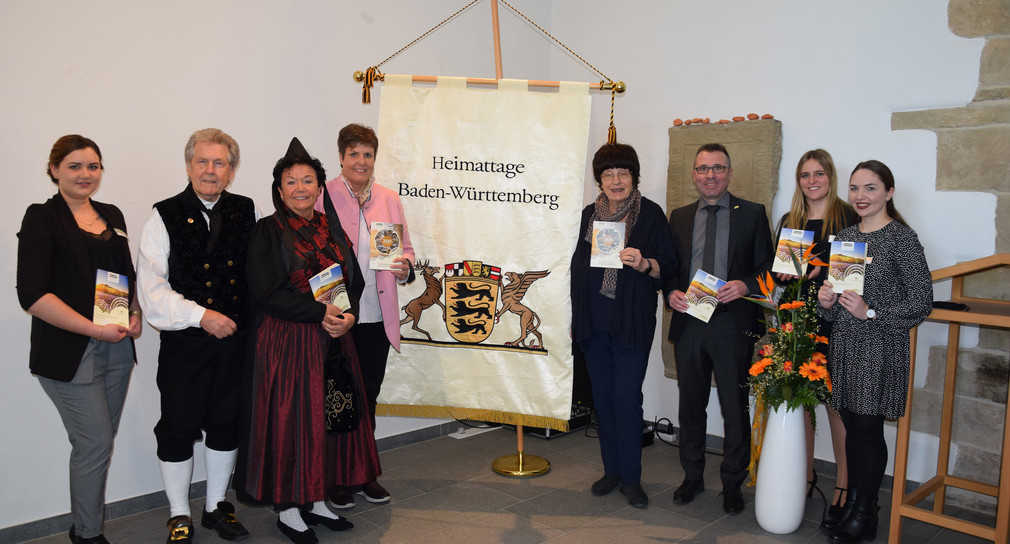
491	184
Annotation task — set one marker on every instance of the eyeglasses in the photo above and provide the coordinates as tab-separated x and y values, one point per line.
717	169
614	173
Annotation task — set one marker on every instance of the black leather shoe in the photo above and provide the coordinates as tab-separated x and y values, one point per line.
100	539
339	524
308	536
180	530
861	524
687	490
636	495
605	485
732	500
222	520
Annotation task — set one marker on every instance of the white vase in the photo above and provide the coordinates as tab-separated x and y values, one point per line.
780	497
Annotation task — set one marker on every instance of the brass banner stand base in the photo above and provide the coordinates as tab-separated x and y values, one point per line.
520	465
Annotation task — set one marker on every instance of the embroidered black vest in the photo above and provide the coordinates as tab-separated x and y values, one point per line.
205	265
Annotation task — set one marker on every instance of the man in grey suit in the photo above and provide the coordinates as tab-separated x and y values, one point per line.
729	238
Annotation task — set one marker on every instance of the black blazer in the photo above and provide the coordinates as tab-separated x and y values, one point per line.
52	258
750	255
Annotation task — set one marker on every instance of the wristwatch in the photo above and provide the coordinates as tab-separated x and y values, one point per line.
870	313
649	268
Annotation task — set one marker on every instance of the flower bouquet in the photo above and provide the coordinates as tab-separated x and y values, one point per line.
789	368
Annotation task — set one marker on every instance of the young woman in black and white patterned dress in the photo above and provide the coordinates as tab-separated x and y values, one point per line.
870	342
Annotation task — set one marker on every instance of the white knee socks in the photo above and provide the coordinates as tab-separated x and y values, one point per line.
293	518
220	465
177	477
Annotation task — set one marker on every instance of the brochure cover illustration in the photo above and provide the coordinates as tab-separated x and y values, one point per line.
386	245
328	287
848	266
792	243
608	241
702	295
112	299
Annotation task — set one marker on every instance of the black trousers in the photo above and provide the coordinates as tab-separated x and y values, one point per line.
200	381
704	349
373	347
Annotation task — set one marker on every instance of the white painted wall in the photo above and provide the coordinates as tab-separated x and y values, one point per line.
139	78
833	73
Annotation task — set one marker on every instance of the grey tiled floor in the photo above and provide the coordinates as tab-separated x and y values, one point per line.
444	490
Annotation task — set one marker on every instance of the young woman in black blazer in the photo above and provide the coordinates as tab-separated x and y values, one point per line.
84	367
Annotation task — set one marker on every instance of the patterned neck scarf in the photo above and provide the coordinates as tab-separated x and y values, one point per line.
314	249
628	210
365	193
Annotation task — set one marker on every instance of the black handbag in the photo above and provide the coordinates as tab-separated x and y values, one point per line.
342	402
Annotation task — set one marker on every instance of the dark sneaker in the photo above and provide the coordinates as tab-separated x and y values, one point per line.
341	500
373	492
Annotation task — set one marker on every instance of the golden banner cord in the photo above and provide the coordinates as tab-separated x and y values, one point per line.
368	77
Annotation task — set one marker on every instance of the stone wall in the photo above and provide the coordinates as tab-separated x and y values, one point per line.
973	154
755	150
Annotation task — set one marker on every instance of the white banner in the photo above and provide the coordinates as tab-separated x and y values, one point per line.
491	184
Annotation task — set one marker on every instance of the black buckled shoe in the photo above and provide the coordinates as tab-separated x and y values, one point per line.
180	530
223	520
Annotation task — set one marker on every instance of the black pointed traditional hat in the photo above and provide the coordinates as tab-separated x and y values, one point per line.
296	154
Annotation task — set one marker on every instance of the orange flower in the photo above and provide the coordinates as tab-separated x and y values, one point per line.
766	350
766	284
827	381
813	371
771	330
787	327
818	358
792	305
760	366
787	367
821	340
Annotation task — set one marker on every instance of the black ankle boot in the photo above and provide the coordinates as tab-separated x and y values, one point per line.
834	520
861	524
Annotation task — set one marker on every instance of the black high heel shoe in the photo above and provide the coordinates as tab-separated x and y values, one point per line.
835	510
811	484
830	524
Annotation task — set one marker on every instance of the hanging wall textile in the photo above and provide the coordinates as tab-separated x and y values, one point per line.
491	184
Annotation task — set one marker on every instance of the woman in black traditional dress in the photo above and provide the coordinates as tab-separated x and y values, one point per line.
292	460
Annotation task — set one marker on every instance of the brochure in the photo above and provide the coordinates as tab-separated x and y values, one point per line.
702	295
792	243
848	266
386	240
112	299
608	241
328	287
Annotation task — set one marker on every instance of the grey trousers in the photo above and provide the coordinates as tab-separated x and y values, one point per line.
90	406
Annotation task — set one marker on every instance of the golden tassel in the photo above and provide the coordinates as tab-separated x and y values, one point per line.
757	437
366	90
